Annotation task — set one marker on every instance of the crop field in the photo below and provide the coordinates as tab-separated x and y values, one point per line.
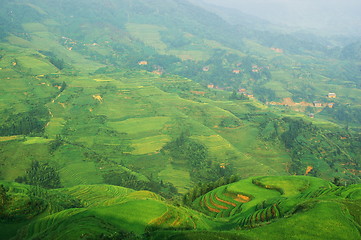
17	156
178	176
80	173
255	206
120	217
150	126
325	217
149	145
98	195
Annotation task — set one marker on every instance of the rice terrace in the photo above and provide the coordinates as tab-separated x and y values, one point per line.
180	120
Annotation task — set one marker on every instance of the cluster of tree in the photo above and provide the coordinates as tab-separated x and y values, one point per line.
56	143
264	94
20	206
203	188
185	148
352	51
42	175
230	122
174	38
345	114
25	123
295	128
237	96
310	145
57	62
3	197
118	235
129	180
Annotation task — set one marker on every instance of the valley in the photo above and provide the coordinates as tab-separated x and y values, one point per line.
117	122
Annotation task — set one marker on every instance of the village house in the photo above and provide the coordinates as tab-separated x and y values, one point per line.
236	71
330	105
210	85
142	63
317	104
332	95
242	90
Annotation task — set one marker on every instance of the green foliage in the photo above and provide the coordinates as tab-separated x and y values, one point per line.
236	96
230	123
352	51
3	197
25	123
295	128
174	38
188	149
41	174
203	188
55	144
129	180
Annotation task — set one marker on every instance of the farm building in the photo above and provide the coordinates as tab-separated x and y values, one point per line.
317	104
332	95
330	105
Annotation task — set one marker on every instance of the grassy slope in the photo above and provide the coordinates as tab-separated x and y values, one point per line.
106	208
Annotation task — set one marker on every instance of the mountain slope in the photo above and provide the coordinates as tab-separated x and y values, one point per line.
272	207
158	97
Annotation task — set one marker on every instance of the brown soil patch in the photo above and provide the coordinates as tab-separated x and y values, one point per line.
4	139
98	97
217	205
308	170
239	197
210	208
226	202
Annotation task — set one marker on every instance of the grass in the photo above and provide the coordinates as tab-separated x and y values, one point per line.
98	195
36	140
294	185
149	144
324	221
106	208
80	173
143	212
180	178
149	126
35	65
258	194
147	33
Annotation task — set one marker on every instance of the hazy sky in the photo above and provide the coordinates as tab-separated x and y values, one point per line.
330	15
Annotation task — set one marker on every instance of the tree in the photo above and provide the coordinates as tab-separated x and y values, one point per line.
41	174
3	196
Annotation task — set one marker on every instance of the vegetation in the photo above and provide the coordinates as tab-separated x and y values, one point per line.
41	174
130	120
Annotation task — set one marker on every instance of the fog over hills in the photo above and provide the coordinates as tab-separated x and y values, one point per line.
326	17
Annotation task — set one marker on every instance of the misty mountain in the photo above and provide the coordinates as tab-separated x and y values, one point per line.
328	18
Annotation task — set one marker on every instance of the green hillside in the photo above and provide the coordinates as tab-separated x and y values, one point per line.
255	208
137	120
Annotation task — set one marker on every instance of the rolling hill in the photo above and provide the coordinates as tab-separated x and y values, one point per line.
256	208
110	107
